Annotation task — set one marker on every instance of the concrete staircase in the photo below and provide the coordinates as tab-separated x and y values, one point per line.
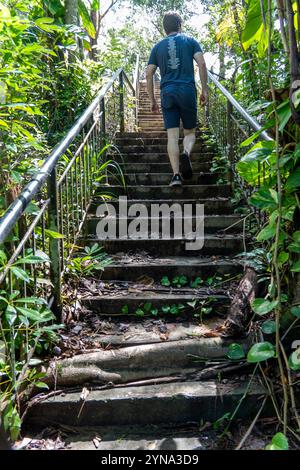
133	281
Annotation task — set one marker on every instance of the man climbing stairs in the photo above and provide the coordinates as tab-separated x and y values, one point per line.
161	355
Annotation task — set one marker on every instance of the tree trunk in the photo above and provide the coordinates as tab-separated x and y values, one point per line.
71	13
222	60
294	62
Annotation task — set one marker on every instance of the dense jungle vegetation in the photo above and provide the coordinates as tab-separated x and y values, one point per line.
56	54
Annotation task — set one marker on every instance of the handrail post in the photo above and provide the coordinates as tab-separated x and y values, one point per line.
54	244
230	148
121	92
206	112
103	124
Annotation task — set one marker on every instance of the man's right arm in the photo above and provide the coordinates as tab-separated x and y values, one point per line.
199	58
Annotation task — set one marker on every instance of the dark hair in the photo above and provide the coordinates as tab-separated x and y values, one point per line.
172	22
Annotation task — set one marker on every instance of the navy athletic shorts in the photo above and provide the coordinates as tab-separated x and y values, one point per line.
179	102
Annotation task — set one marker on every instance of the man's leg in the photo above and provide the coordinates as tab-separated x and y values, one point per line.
189	140
173	148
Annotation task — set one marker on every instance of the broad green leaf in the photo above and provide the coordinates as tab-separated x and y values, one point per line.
125	309
263	306
260	152
294	360
46	24
20	273
266	233
296	267
256	134
293	181
49	233
35	315
41	385
254	27
294	247
174	309
282	258
95	5
261	352
296	311
10	315
165	281
296	236
284	113
263	199
31	300
235	351
268	327
55	7
33	259
279	442
147	306
86	19
139	312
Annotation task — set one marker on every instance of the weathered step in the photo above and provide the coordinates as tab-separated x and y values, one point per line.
214	205
129	268
155	225
213	245
151	404
123	332
157	157
148	438
165	191
112	305
149	117
152	178
157	148
157	134
139	168
149	140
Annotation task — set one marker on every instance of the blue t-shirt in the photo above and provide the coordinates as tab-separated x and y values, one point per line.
174	56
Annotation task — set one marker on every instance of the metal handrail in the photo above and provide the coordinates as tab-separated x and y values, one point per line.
8	220
136	74
246	116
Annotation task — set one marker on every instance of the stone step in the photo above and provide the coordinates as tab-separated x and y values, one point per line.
158	157
152	178
112	305
146	437
130	268
213	245
212	205
176	402
137	135
148	126
150	140
122	332
160	148
153	226
166	191
143	168
146	114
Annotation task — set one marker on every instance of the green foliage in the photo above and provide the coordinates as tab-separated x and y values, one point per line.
235	352
27	328
279	442
261	352
88	261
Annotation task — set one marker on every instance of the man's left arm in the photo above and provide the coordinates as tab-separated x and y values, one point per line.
150	71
